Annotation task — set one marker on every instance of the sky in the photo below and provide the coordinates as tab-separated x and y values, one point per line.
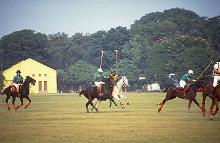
88	16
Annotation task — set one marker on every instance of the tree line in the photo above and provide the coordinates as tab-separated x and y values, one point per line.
159	43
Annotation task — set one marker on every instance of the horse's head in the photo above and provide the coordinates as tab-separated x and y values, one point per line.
200	83
125	81
30	80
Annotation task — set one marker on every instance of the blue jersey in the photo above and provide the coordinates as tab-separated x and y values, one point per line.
18	79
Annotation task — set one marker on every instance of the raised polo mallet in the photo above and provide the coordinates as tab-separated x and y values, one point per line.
116	60
205	69
102	54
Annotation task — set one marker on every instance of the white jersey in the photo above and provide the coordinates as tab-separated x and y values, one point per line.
217	65
216	77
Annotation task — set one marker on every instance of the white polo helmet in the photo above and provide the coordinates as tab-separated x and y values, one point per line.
190	72
100	70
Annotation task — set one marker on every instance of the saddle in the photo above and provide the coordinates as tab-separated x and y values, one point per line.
182	90
14	89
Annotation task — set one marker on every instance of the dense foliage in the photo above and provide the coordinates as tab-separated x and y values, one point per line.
157	44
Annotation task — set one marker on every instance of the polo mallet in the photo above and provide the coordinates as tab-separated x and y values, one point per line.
116	60
205	69
102	54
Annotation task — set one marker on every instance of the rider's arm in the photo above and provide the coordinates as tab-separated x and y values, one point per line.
22	80
216	72
14	79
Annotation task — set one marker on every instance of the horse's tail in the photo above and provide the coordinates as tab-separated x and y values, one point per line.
165	89
3	92
81	92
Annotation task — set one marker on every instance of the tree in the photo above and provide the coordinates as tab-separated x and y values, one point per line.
21	45
2	78
78	74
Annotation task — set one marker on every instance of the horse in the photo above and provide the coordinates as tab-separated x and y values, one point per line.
213	92
215	99
109	84
207	91
118	89
24	92
172	92
91	93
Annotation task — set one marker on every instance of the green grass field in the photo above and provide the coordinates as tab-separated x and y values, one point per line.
63	119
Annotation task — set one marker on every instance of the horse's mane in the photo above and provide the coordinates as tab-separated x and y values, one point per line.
207	78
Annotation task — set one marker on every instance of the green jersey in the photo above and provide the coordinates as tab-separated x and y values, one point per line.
186	77
101	77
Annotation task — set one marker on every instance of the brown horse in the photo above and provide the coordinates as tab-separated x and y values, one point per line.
215	99
172	92
91	93
213	93
208	90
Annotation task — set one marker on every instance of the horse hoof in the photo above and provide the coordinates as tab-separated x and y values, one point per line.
211	117
87	111
128	103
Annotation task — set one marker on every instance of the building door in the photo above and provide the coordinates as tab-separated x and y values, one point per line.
40	86
45	85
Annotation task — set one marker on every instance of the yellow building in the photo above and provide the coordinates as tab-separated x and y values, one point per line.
46	77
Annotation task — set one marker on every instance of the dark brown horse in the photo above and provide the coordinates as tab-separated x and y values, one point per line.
24	92
91	93
172	92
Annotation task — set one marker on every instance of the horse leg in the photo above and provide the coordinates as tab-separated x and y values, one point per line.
21	103
189	105
110	103
162	104
29	102
164	101
122	96
112	100
87	104
197	103
6	101
119	100
97	103
203	104
217	107
90	102
211	109
13	102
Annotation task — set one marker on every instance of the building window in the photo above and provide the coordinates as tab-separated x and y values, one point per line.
33	75
39	75
39	86
45	74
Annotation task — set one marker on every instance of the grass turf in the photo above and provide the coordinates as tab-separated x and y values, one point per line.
63	118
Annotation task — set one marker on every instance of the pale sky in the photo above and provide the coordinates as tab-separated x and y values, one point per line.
88	16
